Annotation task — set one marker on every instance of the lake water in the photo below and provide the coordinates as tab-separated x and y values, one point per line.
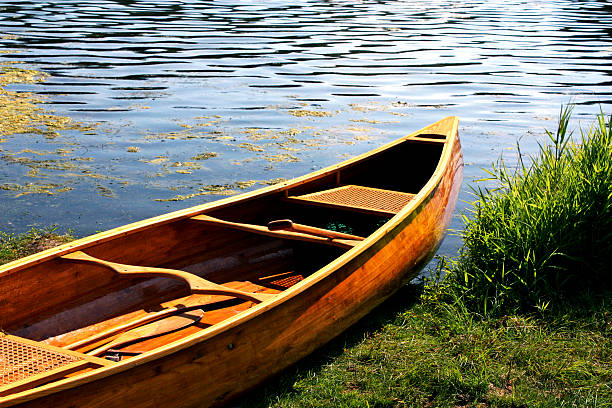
190	100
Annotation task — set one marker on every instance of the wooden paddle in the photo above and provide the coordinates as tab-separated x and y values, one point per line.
288	225
299	236
103	337
155	329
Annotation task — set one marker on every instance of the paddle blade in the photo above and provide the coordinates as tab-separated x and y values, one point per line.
148	331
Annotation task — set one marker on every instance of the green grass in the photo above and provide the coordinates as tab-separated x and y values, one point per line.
543	236
14	246
425	355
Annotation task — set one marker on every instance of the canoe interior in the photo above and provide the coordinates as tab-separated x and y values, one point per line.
62	302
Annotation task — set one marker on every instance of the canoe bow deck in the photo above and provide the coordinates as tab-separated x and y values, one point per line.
191	308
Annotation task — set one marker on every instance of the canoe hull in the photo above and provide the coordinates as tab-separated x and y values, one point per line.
210	371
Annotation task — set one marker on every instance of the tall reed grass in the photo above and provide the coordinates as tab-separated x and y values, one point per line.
544	234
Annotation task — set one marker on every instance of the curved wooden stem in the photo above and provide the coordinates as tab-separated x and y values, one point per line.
289	225
196	284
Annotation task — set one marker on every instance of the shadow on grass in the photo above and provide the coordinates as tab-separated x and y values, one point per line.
386	313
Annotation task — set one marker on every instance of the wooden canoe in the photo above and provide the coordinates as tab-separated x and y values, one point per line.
192	308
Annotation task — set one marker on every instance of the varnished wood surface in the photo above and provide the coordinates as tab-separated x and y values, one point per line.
239	352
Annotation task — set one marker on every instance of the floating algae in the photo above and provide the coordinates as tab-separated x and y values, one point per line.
269	134
250	147
186	164
157	160
245	184
370	107
300	113
34	188
49	164
221	189
362	137
377	107
212	189
188	167
133	149
177	135
58	152
87	174
283	157
105	191
373	122
273	181
188	134
20	112
204	156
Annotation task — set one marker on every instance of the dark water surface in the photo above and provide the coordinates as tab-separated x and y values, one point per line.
194	98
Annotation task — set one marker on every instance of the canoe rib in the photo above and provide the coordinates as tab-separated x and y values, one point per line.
197	284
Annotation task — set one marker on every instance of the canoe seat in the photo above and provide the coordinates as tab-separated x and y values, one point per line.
26	363
358	198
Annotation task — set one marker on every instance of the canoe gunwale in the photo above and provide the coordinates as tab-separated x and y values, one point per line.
351	259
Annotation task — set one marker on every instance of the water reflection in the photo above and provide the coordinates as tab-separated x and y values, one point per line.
175	80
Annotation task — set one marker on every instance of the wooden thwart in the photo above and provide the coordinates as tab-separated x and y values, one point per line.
197	284
434	138
358	198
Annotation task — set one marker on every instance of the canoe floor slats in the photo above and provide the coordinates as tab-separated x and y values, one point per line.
282	280
217	309
358	198
25	363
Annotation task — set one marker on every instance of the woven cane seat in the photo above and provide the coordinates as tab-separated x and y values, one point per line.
358	198
25	363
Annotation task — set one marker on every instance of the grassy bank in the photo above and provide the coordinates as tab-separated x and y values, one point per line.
421	355
17	246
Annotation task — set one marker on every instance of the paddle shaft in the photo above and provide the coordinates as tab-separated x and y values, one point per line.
289	225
